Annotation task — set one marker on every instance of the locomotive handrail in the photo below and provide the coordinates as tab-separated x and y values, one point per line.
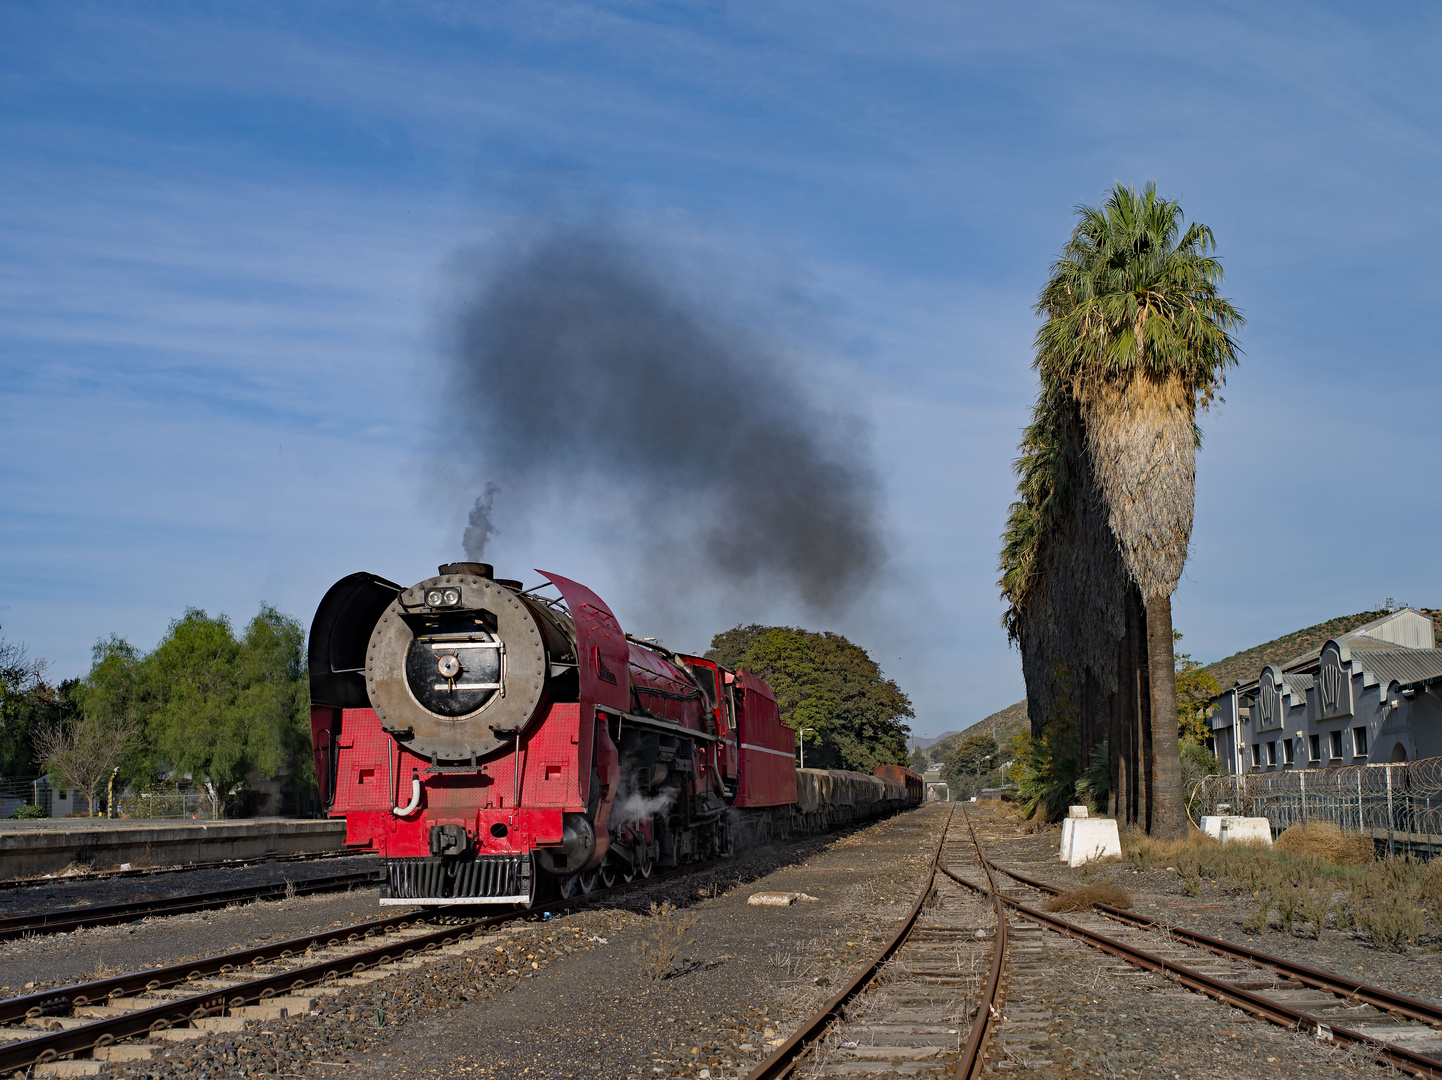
653	722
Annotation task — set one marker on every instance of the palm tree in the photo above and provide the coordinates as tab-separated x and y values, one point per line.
1138	337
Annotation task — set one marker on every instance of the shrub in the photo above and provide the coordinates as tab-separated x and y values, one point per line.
31	812
1089	896
656	954
1389	920
1323	840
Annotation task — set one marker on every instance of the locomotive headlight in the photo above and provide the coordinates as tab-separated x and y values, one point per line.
433	597
452	597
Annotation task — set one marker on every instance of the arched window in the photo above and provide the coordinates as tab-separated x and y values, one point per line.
1399	753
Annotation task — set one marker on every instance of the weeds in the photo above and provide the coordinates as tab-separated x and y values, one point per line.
1089	896
1315	876
1316	906
656	954
1390	921
1258	920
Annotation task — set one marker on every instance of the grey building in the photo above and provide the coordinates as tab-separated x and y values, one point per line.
1371	695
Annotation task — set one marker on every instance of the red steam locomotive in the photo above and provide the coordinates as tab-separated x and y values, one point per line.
493	744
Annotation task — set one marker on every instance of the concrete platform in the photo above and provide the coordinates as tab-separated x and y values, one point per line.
48	845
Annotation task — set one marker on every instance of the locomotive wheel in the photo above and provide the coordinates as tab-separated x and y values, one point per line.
647	865
589	879
608	874
569	885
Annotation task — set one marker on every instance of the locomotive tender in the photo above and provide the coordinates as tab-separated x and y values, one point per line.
492	744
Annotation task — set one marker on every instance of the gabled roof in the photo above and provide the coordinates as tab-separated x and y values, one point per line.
1405	629
1403	666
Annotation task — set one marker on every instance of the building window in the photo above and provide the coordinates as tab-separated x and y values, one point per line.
1286	751
1212	745
1271	753
1359	741
1316	744
1336	745
1256	755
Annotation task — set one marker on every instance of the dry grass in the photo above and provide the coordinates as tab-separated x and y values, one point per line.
1323	840
1315	877
656	953
1089	896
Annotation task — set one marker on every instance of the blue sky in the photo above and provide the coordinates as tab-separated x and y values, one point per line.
229	233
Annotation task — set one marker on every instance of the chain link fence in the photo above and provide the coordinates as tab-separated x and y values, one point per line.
1400	803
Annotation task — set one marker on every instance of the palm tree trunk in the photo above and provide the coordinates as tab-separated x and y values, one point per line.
1123	724
1168	815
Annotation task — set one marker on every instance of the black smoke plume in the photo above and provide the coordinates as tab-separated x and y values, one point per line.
479	527
583	370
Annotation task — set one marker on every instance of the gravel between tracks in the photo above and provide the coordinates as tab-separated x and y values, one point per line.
81	890
29	964
1106	1018
1222	911
566	997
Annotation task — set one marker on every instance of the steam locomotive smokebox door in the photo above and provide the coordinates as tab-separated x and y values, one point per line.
455	667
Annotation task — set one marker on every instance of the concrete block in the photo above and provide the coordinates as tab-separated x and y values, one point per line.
1092	838
124	1052
100	1012
259	1012
185	1034
1246	830
1076	811
293	1005
227	1024
70	1068
1212	825
1064	853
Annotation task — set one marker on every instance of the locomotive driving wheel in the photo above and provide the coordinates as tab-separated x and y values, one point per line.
569	885
645	866
589	880
608	874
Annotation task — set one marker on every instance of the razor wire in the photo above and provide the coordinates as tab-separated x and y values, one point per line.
1401	800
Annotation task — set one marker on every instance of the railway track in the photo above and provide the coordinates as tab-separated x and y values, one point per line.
223	993
64	920
42	880
934	1002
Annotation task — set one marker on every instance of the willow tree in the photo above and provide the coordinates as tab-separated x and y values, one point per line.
1137	338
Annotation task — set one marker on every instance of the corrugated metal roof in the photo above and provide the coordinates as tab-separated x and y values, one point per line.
1403	665
1297	682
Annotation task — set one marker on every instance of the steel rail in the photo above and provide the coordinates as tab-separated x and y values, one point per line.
1377	996
44	880
80	1040
987	1013
782	1058
64	999
1277	1012
64	920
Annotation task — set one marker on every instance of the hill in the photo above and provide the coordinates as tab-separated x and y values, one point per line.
1242	666
921	742
1008	722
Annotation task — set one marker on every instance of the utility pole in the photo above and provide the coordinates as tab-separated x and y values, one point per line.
803	732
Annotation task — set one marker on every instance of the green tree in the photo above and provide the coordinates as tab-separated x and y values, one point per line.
826	683
1195	690
919	761
972	765
1136	340
221	705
